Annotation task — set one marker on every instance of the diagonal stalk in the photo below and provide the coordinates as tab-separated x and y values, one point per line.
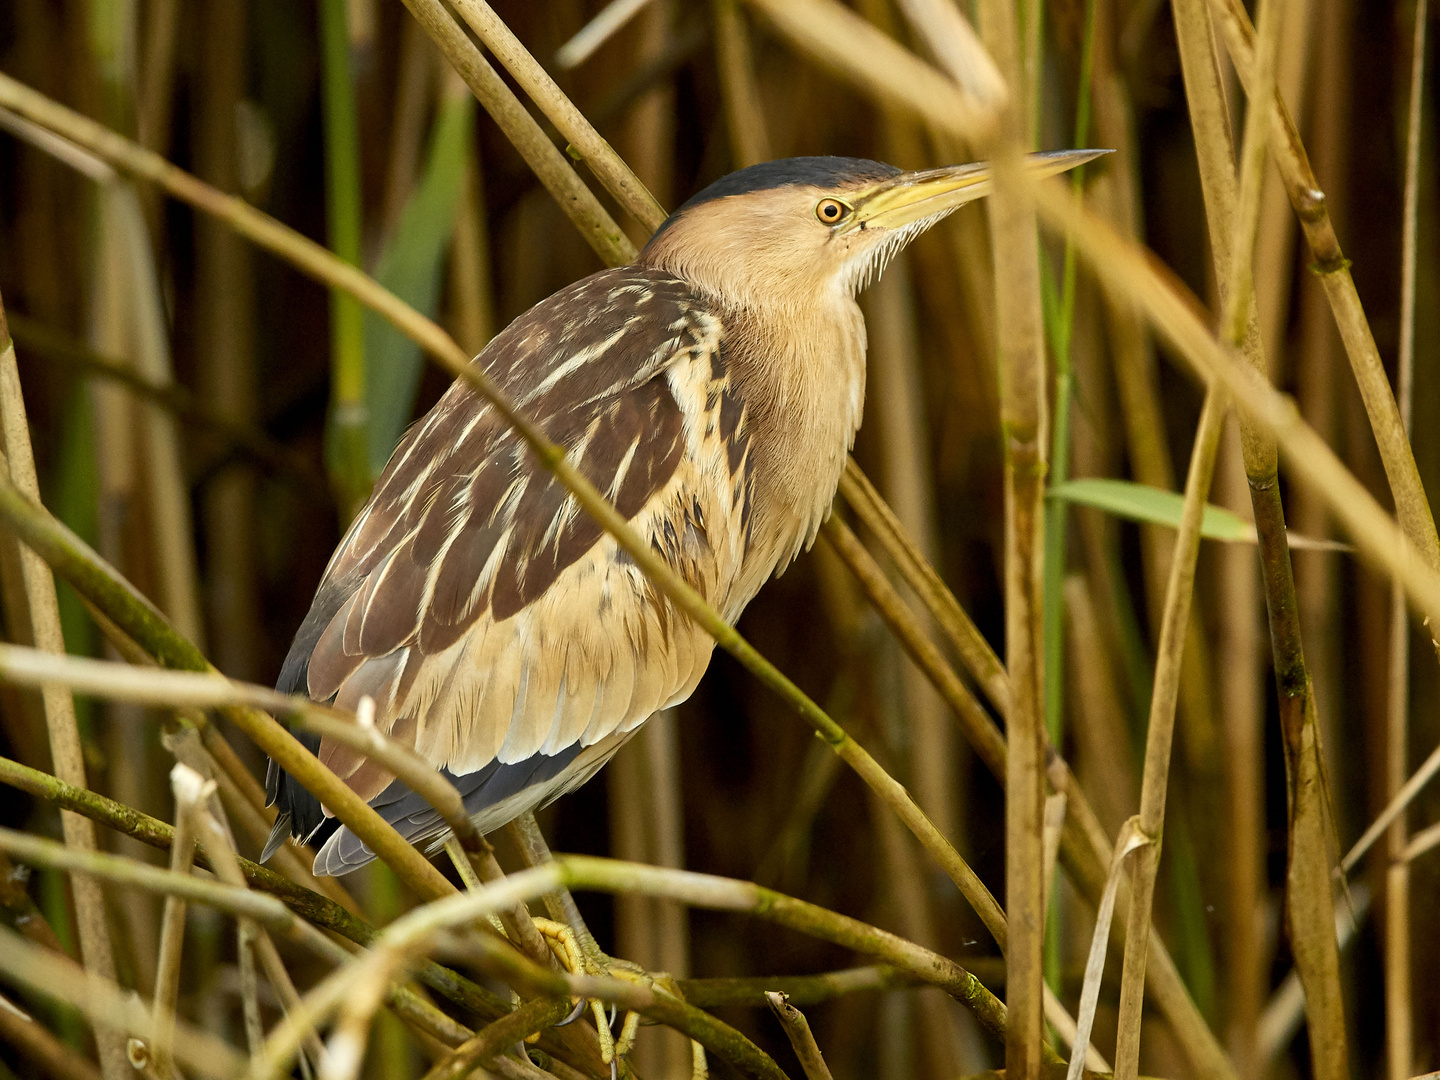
1161	730
18	468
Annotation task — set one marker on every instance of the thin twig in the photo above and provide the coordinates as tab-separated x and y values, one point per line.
797	1030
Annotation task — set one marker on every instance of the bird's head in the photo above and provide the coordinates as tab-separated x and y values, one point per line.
799	231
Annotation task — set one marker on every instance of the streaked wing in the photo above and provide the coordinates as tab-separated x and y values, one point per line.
488	617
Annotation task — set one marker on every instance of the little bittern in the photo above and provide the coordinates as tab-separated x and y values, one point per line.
711	390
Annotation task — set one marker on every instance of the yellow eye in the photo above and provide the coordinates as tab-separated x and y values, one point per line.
831	211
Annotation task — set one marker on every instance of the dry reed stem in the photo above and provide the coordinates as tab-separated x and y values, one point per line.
1081	846
797	1030
31	1040
549	165
1130	839
496	1037
959	629
1232	230
140	309
412	931
607	166
739	89
855	50
1393	809
586	41
1423	841
1175	313
1020	346
1399	1020
18	468
842	40
1161	728
157	686
108	1007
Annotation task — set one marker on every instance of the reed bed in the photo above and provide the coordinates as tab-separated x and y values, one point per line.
1000	775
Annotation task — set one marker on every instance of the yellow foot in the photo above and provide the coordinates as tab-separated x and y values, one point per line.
573	959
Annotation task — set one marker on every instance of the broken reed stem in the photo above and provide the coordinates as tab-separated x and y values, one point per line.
802	1041
322	265
1399	1022
18	469
1161	729
172	925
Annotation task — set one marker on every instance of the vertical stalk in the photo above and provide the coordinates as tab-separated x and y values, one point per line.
347	446
1159	737
1060	325
59	705
1245	974
1021	348
739	89
1399	1035
225	288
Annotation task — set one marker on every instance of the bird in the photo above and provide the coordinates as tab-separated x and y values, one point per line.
711	390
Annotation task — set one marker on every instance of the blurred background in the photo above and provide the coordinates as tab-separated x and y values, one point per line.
182	393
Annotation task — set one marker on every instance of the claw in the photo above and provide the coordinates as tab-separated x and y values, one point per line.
574	1013
611	1015
614	1068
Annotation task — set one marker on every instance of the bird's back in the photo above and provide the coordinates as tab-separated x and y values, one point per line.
498	631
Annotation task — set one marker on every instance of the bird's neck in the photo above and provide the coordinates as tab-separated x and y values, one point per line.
801	373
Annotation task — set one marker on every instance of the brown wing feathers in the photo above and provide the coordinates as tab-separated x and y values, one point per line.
465	525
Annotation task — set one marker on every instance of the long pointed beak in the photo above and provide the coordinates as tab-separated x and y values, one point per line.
915	196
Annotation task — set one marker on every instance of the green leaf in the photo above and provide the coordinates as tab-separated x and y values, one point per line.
410	266
1140	502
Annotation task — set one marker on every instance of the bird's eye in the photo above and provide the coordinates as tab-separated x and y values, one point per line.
831	211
